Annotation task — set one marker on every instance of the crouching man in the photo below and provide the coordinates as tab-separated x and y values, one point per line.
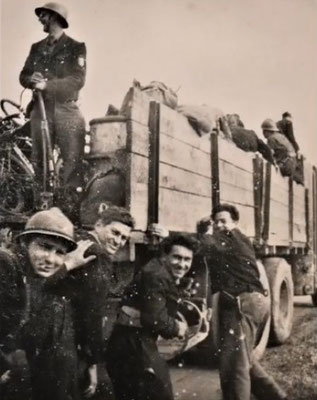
149	309
48	332
243	308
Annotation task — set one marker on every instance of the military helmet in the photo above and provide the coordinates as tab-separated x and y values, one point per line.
52	223
57	8
269	125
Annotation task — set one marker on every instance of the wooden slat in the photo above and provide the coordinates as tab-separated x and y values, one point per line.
184	156
235	176
229	152
181	211
176	125
174	178
299	214
139	136
139	176
236	193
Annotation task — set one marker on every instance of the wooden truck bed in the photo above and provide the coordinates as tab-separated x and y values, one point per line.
174	176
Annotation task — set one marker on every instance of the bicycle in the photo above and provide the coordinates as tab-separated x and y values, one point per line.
16	170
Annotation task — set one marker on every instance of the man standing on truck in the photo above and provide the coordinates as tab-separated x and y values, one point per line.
285	126
243	308
148	310
56	67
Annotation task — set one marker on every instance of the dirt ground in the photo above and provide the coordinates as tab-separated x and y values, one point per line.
294	365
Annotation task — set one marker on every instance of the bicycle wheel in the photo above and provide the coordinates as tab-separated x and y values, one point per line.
16	185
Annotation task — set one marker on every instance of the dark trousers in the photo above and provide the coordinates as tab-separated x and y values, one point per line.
136	369
240	372
67	130
54	374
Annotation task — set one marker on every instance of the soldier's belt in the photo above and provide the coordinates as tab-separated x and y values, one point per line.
129	316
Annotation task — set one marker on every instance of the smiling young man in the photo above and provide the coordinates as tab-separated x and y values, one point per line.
149	309
243	308
48	335
92	285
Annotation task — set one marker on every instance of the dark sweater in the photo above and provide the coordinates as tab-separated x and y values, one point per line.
231	261
154	293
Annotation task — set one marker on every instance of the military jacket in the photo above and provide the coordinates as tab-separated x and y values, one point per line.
62	65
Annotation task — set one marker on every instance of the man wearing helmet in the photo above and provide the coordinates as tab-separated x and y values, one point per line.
48	337
283	151
56	67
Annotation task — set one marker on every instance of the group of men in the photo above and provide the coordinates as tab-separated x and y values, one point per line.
55	287
64	286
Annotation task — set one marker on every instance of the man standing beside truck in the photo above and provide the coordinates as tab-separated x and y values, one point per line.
243	308
56	67
148	310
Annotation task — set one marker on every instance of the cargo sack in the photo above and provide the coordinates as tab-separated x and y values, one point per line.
161	93
203	119
245	139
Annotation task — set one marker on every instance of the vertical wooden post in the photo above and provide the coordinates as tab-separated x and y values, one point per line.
258	197
290	210
267	201
214	163
154	162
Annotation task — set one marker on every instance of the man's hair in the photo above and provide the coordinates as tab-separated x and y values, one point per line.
179	239
286	114
116	214
232	210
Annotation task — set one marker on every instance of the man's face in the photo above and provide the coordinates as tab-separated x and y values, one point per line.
45	18
267	133
224	222
179	261
46	254
112	236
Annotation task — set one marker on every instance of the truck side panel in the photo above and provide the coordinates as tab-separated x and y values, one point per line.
236	182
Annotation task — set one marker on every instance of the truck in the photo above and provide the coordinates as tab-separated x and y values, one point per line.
149	159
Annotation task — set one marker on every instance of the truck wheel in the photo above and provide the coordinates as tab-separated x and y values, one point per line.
264	338
314	299
282	288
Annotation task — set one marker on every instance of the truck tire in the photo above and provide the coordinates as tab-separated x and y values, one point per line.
282	295
260	347
264	337
314	299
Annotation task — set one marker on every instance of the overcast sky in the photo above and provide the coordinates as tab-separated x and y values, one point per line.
257	58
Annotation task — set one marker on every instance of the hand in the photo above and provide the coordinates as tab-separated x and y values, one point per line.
40	85
157	230
93	381
36	77
209	314
182	329
76	259
4	378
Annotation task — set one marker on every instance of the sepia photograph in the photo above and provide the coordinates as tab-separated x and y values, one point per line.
158	200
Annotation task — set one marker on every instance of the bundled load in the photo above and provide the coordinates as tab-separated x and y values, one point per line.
204	119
